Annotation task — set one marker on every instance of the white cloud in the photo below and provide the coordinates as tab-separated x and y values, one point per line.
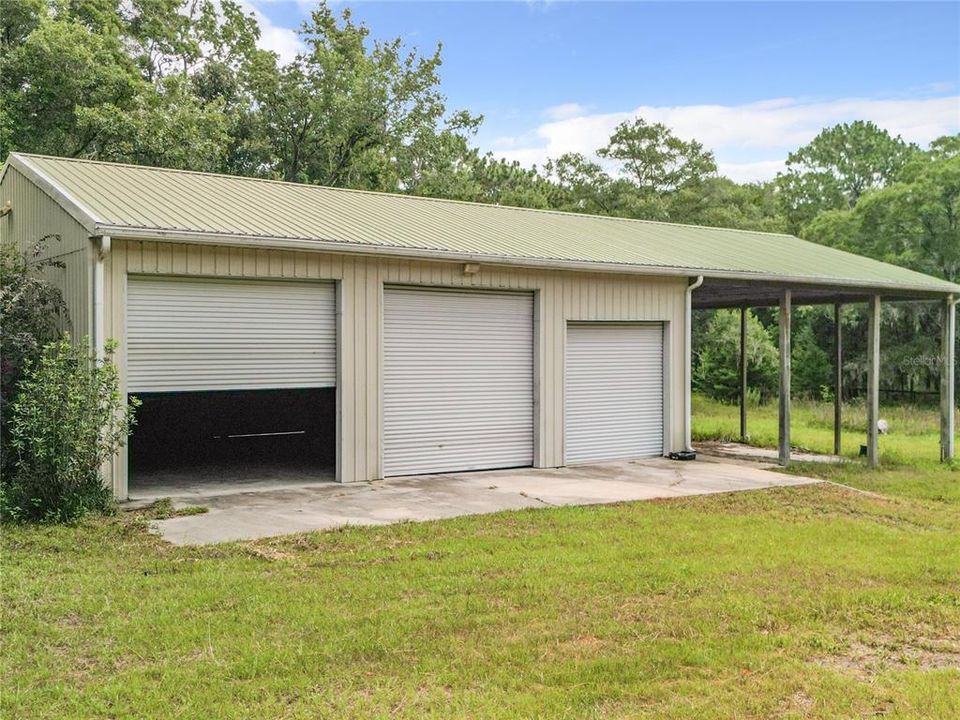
751	171
751	140
285	42
565	111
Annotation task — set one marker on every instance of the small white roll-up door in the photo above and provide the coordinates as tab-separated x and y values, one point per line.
199	334
614	391
458	380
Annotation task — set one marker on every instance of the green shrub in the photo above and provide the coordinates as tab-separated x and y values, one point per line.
32	312
67	420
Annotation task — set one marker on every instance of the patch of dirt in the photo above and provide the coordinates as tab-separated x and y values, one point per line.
867	659
799	704
82	669
268	553
71	621
579	647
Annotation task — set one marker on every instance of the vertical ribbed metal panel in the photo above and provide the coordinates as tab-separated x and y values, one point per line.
36	215
458	380
201	334
614	391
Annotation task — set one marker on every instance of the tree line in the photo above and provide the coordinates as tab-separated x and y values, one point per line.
183	84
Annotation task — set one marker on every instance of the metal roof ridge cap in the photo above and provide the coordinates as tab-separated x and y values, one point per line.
77	210
279	242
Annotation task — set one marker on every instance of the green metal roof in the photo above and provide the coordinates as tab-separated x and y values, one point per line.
134	201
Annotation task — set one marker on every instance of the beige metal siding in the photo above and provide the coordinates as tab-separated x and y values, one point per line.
34	215
223	334
561	296
457	380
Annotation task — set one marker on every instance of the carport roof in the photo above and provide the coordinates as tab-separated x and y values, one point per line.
130	201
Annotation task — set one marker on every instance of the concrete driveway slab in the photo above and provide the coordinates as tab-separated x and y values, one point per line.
322	506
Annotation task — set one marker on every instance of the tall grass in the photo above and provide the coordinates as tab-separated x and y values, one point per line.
914	430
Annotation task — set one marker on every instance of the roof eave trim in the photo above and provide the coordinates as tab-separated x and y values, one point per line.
77	210
286	243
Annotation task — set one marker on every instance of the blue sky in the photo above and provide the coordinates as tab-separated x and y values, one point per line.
752	81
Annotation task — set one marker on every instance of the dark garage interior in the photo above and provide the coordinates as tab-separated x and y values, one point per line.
229	439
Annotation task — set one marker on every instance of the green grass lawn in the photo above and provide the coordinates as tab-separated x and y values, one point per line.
808	602
910	453
914	431
804	602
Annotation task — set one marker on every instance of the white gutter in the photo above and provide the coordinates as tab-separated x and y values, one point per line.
102	248
687	371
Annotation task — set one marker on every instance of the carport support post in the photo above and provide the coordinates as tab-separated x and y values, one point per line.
873	381
948	398
785	318
743	374
837	380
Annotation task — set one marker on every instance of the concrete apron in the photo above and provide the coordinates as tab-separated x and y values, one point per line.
326	505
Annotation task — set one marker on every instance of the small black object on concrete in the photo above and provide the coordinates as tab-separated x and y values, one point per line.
683	455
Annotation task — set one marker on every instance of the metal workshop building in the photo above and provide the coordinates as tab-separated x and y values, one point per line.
379	335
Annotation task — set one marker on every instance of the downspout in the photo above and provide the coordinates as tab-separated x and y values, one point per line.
687	368
102	248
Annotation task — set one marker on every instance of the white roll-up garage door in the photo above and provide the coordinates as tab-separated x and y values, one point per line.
458	380
199	334
614	391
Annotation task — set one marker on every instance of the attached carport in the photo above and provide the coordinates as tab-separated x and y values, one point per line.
743	294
